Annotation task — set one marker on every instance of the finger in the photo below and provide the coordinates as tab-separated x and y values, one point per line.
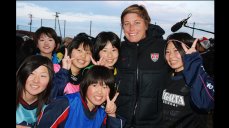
66	52
108	98
115	97
93	61
184	47
194	43
101	61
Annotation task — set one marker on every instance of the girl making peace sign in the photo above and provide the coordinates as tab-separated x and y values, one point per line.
189	94
85	109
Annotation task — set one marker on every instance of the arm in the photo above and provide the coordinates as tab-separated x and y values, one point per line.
202	85
60	80
55	114
113	122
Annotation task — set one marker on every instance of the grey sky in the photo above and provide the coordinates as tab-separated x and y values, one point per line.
105	15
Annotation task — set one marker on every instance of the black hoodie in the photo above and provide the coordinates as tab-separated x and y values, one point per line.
142	73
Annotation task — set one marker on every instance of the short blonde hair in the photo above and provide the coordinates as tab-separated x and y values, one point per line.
139	10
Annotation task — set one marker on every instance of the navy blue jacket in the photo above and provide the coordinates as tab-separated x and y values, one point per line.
142	73
188	96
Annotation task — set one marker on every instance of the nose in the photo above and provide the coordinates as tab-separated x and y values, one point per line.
36	78
109	54
132	27
83	54
99	89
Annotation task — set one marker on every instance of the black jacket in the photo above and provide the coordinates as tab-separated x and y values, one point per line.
142	73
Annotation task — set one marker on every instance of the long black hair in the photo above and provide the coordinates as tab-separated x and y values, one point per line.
30	64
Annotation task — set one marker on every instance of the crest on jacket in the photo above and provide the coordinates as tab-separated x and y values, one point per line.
154	56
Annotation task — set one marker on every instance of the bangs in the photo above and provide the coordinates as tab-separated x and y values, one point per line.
102	77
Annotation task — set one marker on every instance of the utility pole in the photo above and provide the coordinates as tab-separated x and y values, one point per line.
90	26
121	33
193	29
64	27
30	23
57	18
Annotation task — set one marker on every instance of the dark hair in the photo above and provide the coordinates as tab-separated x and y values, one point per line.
81	38
140	10
102	39
50	32
30	64
95	74
177	39
27	48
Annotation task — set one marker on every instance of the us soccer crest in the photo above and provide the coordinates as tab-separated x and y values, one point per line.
154	56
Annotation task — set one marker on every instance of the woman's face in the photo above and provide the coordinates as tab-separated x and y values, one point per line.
134	27
81	57
97	94
109	54
173	57
37	81
46	45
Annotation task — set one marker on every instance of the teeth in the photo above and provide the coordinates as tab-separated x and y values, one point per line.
34	86
98	97
81	61
110	60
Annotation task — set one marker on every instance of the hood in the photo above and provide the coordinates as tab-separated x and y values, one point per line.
155	30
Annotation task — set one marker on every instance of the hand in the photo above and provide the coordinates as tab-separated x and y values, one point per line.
100	62
111	106
66	61
192	49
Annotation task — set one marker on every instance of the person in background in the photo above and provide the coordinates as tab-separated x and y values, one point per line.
60	51
33	86
92	107
189	94
142	71
106	50
24	49
46	41
76	58
206	48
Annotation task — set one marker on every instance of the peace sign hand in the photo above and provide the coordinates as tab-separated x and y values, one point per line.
100	62
192	49
66	61
111	106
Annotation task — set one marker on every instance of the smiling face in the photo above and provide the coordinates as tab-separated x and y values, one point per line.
134	27
46	45
109	54
37	82
96	94
81	57
173	57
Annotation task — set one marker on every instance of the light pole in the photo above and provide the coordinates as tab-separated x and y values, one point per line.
30	23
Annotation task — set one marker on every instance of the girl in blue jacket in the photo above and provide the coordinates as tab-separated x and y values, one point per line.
92	107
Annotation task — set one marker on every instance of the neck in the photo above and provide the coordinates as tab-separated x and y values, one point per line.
75	71
47	55
29	98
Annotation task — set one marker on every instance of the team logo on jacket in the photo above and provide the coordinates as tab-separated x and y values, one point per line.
154	56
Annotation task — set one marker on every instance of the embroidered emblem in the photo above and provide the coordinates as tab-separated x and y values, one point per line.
154	56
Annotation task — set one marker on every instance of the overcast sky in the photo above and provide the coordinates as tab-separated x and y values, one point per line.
76	16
